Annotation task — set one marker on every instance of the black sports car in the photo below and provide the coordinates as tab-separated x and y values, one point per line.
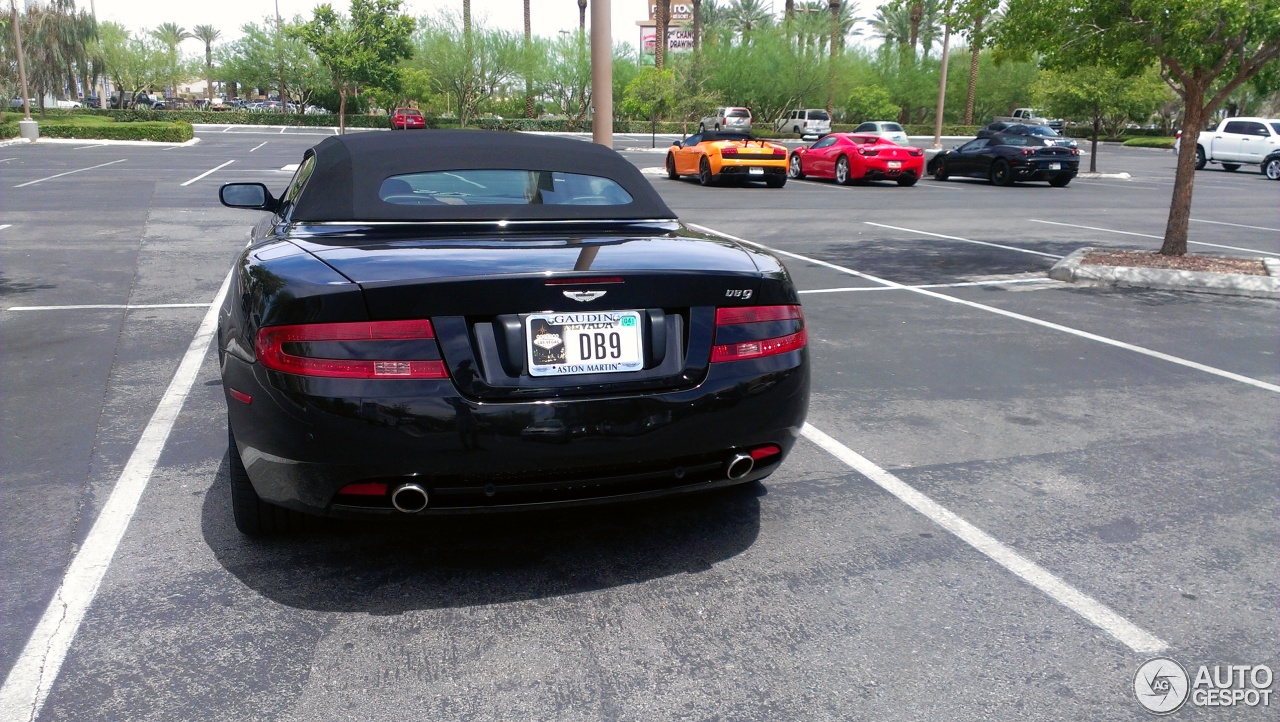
471	320
1004	158
1050	136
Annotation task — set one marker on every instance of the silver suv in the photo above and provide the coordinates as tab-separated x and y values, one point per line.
727	118
804	121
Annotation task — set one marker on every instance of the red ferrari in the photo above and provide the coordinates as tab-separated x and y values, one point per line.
849	157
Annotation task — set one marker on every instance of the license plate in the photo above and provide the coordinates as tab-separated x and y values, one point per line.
755	171
1055	166
585	342
895	164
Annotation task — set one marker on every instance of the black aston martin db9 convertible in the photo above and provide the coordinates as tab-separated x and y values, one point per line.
466	320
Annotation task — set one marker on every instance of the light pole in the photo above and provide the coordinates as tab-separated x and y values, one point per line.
27	127
601	73
942	79
102	83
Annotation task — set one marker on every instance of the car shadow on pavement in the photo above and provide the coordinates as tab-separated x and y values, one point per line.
933	260
387	568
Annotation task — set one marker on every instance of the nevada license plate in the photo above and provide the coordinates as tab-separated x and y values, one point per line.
1055	166
895	164
587	342
756	171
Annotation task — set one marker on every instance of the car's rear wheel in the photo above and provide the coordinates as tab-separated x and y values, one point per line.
842	171
671	167
1231	167
704	172
253	516
795	168
940	171
907	181
1271	169
1060	181
1001	173
775	181
1200	158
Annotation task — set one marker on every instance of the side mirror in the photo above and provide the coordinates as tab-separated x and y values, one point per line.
253	196
676	144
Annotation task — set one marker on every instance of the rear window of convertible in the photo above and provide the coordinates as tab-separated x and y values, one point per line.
502	187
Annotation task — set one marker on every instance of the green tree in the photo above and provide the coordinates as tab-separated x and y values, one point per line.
869	102
363	49
172	35
567	76
1098	93
208	35
254	60
974	19
134	64
57	40
1205	49
468	72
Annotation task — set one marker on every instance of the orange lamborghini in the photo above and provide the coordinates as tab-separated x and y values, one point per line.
713	157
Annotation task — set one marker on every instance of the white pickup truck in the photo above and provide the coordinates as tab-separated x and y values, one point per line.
1028	116
1238	141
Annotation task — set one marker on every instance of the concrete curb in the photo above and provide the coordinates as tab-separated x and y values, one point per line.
99	141
1072	270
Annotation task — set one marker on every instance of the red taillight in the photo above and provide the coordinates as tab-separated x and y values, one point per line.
915	151
362	338
728	151
1028	151
368	488
583	281
779	151
760	348
763	452
240	396
868	151
1075	151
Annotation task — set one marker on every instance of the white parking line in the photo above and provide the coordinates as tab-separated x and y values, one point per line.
208	172
33	675
1236	225
106	306
966	240
1037	576
994	282
6	225
1010	314
257	146
79	170
6	160
1148	235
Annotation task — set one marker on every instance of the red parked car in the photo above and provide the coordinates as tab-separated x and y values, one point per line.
405	118
849	157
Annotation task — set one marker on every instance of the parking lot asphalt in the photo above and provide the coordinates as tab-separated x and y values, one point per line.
1011	493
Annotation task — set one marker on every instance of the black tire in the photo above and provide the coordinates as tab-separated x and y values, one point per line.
704	172
1001	173
775	181
906	181
1271	169
1060	181
1200	158
940	171
671	167
253	516
1231	167
842	171
795	129
795	167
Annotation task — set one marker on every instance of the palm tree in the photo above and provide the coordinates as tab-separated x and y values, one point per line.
746	15
661	19
892	24
978	16
835	49
172	35
582	15
208	35
57	41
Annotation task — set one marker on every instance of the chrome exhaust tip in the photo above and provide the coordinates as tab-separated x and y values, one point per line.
739	466
409	498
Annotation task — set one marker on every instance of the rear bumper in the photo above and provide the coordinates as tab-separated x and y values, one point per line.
302	440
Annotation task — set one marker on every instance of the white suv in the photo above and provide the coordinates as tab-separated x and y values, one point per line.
811	121
727	118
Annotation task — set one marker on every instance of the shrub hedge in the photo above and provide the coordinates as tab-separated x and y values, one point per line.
1150	142
67	127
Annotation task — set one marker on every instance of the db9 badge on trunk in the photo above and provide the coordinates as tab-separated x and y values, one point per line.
584	343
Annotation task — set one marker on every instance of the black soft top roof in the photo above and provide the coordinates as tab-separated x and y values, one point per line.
350	169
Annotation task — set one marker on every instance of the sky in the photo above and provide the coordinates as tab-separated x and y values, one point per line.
547	17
